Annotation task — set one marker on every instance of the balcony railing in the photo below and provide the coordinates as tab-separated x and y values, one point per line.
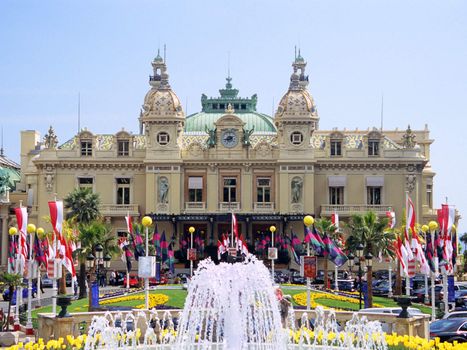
229	206
119	209
349	209
263	207
195	206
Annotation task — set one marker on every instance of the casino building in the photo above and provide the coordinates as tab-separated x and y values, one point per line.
195	170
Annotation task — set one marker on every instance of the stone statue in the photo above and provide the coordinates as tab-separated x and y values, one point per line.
163	190
246	135
50	139
4	182
212	140
408	139
297	185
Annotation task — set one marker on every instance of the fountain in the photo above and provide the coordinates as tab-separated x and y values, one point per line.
231	306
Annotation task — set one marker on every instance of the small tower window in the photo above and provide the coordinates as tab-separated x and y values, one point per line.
373	147
86	148
163	138
296	138
336	148
123	148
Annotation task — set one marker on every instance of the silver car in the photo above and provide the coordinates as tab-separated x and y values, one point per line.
46	282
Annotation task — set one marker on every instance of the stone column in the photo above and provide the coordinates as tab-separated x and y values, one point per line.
4	233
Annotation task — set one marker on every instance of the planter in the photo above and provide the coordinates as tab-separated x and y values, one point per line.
8	338
64	301
404	302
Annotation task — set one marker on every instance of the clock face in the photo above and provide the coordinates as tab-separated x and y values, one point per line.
229	138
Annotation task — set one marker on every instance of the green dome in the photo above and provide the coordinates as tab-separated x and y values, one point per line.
261	122
9	171
214	109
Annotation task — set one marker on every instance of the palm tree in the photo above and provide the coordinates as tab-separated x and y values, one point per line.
325	226
90	235
372	233
83	206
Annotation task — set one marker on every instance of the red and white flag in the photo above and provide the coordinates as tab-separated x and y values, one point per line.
225	240
221	249
419	254
129	224
234	225
335	221
244	248
22	220
409	225
401	253
391	218
56	218
448	221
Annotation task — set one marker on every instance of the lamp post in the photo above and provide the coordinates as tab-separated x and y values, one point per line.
425	229
146	221
433	226
191	230
31	229
90	259
390	279
272	229
359	263
13	232
308	221
369	265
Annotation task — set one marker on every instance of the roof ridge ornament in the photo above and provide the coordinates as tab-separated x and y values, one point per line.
50	139
408	139
230	109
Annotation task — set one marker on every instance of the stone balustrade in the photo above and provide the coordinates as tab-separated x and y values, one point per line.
50	327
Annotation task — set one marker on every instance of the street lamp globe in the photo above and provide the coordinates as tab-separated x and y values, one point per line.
308	220
31	228
369	259
272	228
191	229
40	232
99	251
425	228
359	250
146	221
90	260
433	225
12	231
107	259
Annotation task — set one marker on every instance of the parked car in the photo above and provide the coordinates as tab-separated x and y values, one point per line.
344	285
133	281
455	314
296	278
46	281
154	282
452	329
184	277
280	277
390	310
382	288
6	294
419	294
119	278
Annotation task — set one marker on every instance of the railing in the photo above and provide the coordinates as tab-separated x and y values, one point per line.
195	206
119	209
229	206
349	209
263	207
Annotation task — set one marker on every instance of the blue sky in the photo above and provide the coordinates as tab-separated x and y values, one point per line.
414	53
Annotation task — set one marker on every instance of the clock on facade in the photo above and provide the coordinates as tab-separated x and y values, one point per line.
229	138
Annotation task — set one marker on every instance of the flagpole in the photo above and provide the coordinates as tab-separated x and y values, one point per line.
407	278
55	262
433	225
126	257
38	287
19	290
31	228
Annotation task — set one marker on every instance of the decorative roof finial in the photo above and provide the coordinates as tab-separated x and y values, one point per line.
229	109
50	139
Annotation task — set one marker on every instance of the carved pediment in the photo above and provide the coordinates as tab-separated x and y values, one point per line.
229	121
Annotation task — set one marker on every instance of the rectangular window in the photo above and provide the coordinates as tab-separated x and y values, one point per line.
85	182
336	195
373	148
429	196
195	189
123	148
123	191
336	148
373	195
230	189
263	189
86	148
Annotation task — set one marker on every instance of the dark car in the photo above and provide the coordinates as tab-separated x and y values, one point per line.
119	278
280	277
419	294
452	329
382	288
344	285
296	278
133	281
6	294
461	297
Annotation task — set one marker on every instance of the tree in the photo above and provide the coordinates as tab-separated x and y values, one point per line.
83	206
325	226
90	235
13	281
372	233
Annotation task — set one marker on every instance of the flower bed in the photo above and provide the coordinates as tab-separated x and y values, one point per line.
154	300
315	297
394	342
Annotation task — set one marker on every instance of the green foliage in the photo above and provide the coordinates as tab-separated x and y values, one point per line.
83	205
94	233
372	232
12	279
